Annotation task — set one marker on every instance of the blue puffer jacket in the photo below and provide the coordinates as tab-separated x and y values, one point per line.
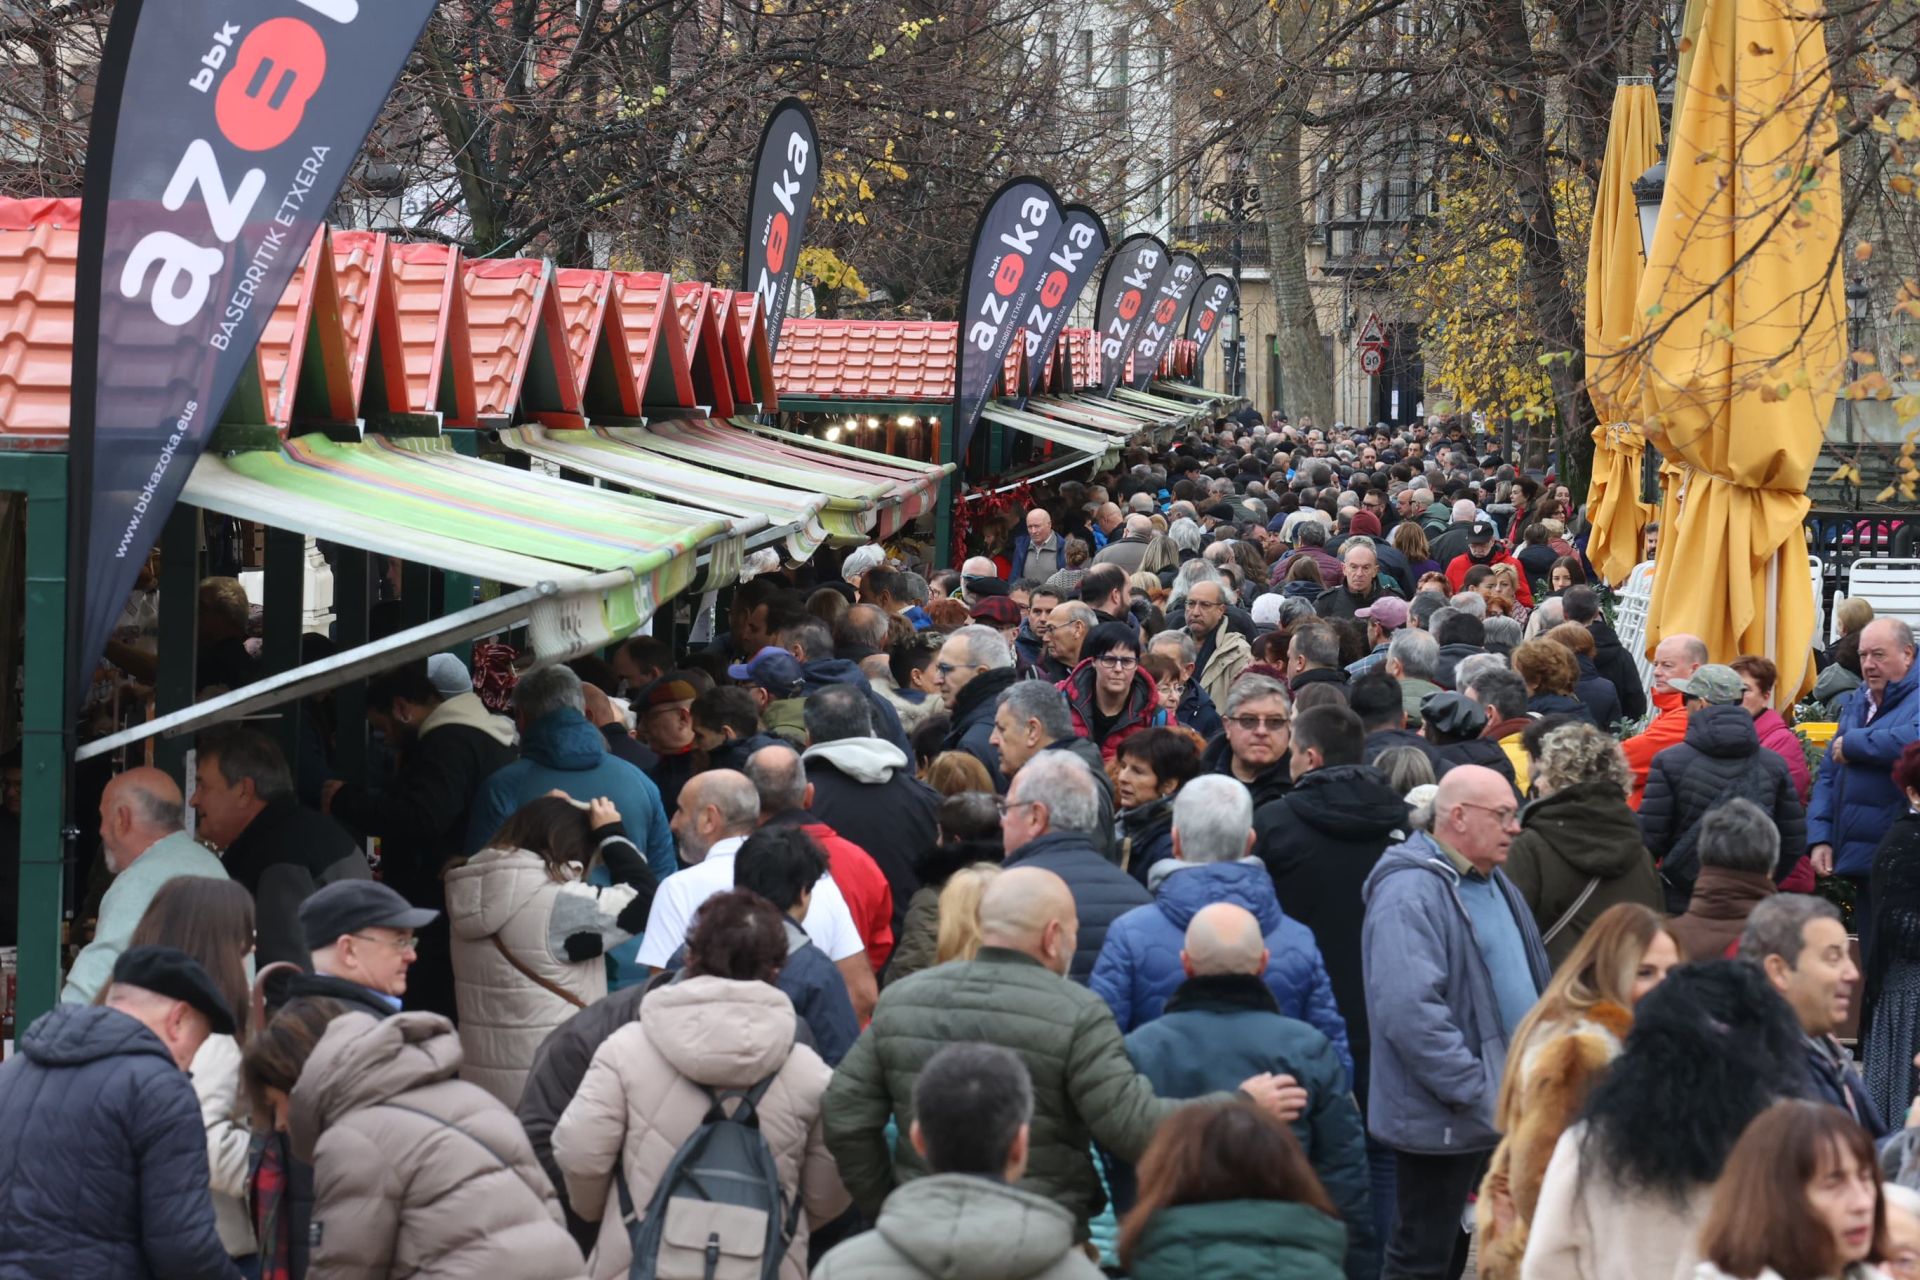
1139	966
1439	1044
103	1156
1855	803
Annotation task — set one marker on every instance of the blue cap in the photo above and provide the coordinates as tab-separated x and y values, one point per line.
772	669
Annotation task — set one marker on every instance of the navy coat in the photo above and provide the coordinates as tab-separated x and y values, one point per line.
1855	803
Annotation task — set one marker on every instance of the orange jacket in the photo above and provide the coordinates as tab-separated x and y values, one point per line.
1667	729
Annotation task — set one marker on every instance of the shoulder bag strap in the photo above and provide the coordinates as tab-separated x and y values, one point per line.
545	984
1567	918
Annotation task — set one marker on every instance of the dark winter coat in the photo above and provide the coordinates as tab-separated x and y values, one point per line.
1386	739
1580	835
1143	700
1450	659
971	726
1542	705
1339	602
1243	1240
1320	843
1833	1079
1197	711
872	799
824	673
1442	1047
1597	692
1102	836
1272	782
1722	901
1144	836
1102	892
1612	660
1450	543
1085	1089
1854	803
1139	966
103	1156
1245	1034
284	855
735	753
1484	752
1720	758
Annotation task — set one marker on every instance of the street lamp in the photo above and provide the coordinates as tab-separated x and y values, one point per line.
1858	296
1649	190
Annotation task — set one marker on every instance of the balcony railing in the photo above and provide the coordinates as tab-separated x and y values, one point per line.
1213	242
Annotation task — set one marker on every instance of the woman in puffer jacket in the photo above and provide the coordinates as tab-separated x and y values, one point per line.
530	934
1557	1054
415	1173
1800	1198
721	1026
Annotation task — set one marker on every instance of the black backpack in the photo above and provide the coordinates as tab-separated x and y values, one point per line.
719	1212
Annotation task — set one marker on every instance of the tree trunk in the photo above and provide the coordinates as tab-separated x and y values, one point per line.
1303	354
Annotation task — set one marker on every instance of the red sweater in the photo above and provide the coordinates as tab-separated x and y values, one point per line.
864	886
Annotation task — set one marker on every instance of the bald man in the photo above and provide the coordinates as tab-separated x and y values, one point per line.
1225	1006
1013	994
1453	962
144	844
1130	550
1675	658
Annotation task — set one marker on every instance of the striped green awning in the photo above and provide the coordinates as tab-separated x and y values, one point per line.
1096	444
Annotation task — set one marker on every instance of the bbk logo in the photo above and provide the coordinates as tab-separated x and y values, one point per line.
1068	258
776	238
258	105
1010	272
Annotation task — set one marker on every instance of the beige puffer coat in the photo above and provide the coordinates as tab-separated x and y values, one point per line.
417	1174
642	1098
504	1015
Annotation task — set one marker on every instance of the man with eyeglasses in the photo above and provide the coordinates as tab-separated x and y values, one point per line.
1220	653
1067	631
1453	961
361	934
974	667
1259	715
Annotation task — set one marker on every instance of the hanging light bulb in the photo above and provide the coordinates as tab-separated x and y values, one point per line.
833	433
906	420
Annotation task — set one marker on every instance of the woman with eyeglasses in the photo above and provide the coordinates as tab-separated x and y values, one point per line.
1110	695
530	933
1148	769
1800	1200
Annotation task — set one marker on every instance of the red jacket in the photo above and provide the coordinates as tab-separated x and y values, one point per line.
864	886
1457	572
1143	699
1778	738
1668	728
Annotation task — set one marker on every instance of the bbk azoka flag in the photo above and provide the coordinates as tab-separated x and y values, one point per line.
1211	305
1077	250
221	132
1010	246
1163	319
1133	276
784	179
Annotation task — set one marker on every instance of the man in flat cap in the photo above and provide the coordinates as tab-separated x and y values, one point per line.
103	1154
363	938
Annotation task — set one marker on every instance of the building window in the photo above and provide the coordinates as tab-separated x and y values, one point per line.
1085	36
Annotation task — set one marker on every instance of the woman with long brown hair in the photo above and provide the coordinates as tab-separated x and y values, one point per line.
1227	1194
1799	1200
1557	1052
212	921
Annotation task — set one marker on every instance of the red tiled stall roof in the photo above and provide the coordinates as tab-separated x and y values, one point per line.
38	247
706	347
752	319
433	329
520	359
304	368
655	346
884	361
370	317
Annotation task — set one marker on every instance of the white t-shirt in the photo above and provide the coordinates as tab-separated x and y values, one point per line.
828	921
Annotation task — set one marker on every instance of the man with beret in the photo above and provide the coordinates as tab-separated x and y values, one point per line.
362	936
665	721
103	1152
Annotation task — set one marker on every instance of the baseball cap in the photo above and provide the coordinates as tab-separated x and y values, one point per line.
448	675
1719	685
348	906
1482	531
997	611
773	669
170	972
1390	612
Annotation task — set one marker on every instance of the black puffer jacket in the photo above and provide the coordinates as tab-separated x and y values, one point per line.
1481	751
1320	842
1612	660
1102	892
103	1155
1720	758
971	728
865	791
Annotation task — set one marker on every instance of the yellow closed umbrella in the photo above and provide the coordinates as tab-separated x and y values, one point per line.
1614	509
1743	306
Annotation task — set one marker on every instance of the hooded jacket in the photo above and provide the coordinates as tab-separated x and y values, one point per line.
103	1155
283	857
865	790
1611	659
1720	758
647	1092
971	727
1139	966
561	751
954	1226
504	902
1854	803
1143	700
1442	1047
1485	752
1240	1240
1384	740
1320	843
823	673
1579	835
1102	892
417	1173
1722	901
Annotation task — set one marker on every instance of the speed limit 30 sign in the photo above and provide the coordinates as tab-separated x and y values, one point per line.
1372	360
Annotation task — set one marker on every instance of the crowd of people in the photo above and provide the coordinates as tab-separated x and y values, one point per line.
1263	860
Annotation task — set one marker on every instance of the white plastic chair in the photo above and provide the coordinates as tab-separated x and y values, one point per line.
1891	586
